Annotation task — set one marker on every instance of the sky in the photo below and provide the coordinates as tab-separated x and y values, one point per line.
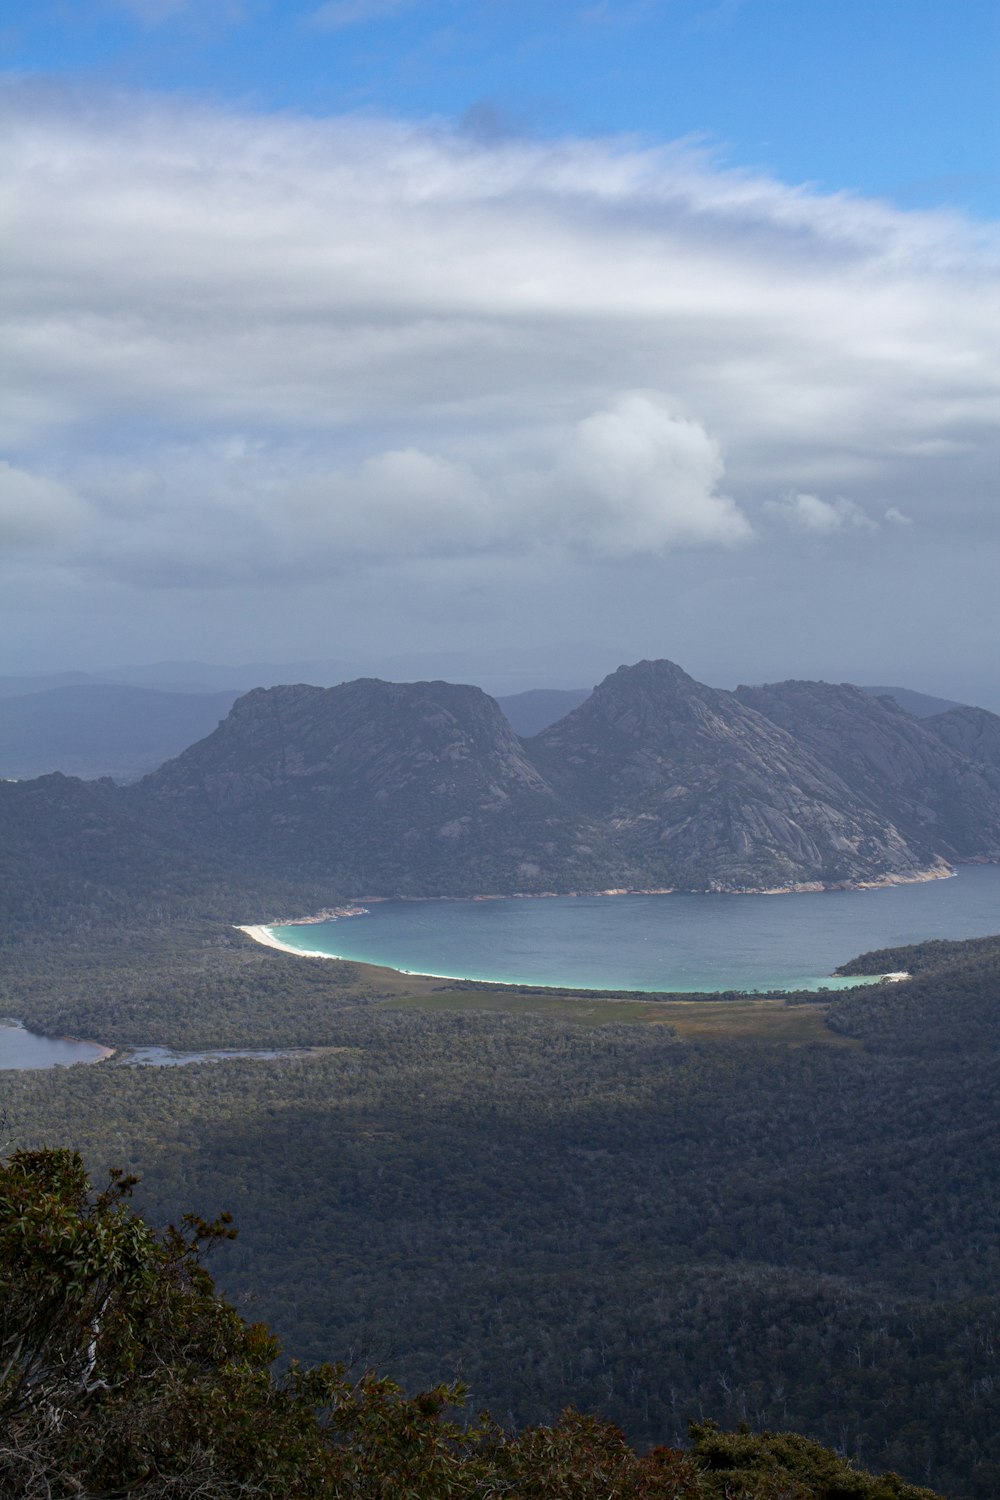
503	341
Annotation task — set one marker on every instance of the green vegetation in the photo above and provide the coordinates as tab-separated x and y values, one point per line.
706	1019
655	1224
777	1211
126	1374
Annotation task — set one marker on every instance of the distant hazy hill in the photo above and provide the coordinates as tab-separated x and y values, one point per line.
91	729
205	677
102	730
17	687
531	712
185	677
920	705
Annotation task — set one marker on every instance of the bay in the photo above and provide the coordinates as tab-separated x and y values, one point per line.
676	943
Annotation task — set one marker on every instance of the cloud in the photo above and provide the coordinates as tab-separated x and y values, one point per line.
638	478
229	333
402	502
36	511
632	480
821	517
628	481
896	517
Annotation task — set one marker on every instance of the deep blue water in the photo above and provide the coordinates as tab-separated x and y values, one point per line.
677	942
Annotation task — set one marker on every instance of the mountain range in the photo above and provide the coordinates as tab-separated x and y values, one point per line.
654	781
125	728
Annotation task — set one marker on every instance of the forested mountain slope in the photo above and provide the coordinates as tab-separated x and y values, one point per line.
128	1375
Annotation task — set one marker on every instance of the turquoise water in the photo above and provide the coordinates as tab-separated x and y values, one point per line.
677	942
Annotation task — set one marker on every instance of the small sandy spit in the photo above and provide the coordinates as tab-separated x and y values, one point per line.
266	936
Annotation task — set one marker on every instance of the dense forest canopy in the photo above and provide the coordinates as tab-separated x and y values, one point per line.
558	1203
126	1374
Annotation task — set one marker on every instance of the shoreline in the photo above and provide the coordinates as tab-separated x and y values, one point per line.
260	933
12	1023
263	934
356	907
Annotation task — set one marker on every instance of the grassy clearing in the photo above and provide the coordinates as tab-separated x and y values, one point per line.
702	1020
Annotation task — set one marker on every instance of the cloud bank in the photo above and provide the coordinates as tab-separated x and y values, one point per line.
242	345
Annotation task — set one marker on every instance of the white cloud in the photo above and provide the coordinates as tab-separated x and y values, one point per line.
631	480
896	517
809	513
36	511
638	478
447	345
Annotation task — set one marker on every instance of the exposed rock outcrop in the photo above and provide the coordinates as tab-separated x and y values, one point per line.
942	802
692	787
384	786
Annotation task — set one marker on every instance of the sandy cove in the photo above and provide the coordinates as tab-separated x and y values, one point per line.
266	936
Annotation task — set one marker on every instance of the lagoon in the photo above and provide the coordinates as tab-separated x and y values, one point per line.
22	1050
678	942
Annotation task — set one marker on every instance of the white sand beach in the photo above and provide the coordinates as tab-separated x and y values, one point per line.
266	936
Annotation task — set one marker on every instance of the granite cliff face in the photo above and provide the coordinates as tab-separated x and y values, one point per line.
691	787
941	801
404	787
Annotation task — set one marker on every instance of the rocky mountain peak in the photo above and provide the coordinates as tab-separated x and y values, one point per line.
647	702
